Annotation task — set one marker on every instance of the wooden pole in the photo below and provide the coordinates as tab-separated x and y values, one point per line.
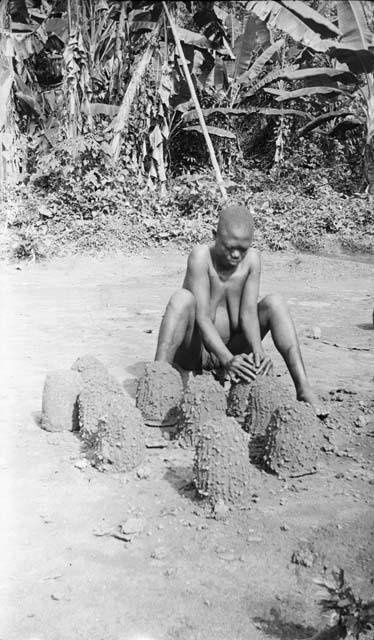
195	99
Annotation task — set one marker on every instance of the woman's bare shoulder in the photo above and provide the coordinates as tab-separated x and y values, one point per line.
200	254
253	258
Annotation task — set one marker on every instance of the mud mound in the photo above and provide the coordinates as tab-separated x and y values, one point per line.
222	468
100	390
159	393
293	440
266	394
203	397
59	402
87	365
118	444
237	400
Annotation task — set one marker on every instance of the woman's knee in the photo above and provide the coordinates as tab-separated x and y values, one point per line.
273	302
182	301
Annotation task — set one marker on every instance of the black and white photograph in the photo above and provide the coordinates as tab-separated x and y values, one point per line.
187	319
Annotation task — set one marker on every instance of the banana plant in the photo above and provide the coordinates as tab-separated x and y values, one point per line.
356	51
299	20
350	47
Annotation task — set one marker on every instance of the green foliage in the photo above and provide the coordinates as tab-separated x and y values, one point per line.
300	186
77	175
349	613
29	246
314	163
118	214
285	218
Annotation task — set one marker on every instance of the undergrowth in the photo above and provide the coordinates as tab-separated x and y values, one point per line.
89	212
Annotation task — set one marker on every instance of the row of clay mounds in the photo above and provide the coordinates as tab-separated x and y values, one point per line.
111	427
222	469
59	401
203	397
159	393
293	440
237	400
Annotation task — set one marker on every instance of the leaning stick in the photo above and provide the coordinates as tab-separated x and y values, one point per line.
195	99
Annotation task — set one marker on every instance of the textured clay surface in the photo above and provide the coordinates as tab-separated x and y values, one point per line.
222	468
59	403
119	444
293	440
87	365
203	397
159	393
237	400
100	390
266	394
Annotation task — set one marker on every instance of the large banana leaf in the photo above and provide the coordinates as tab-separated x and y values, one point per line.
300	21
305	92
267	111
256	68
227	111
292	73
58	26
320	73
233	27
195	39
356	46
101	108
256	35
312	18
322	119
6	81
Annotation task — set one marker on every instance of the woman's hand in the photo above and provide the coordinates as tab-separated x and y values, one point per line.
241	367
263	364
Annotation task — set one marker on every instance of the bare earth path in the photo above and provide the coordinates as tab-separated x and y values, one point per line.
185	576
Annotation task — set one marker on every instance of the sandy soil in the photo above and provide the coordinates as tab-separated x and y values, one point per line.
185	575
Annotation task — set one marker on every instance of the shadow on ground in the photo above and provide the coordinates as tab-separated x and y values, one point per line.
366	326
181	479
277	627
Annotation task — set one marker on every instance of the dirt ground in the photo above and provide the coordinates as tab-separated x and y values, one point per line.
185	575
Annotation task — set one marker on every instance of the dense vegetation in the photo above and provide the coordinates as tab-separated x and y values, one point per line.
104	147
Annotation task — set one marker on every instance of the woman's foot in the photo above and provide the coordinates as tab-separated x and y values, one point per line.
306	394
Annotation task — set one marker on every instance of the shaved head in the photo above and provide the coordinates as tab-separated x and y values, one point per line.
235	219
234	236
